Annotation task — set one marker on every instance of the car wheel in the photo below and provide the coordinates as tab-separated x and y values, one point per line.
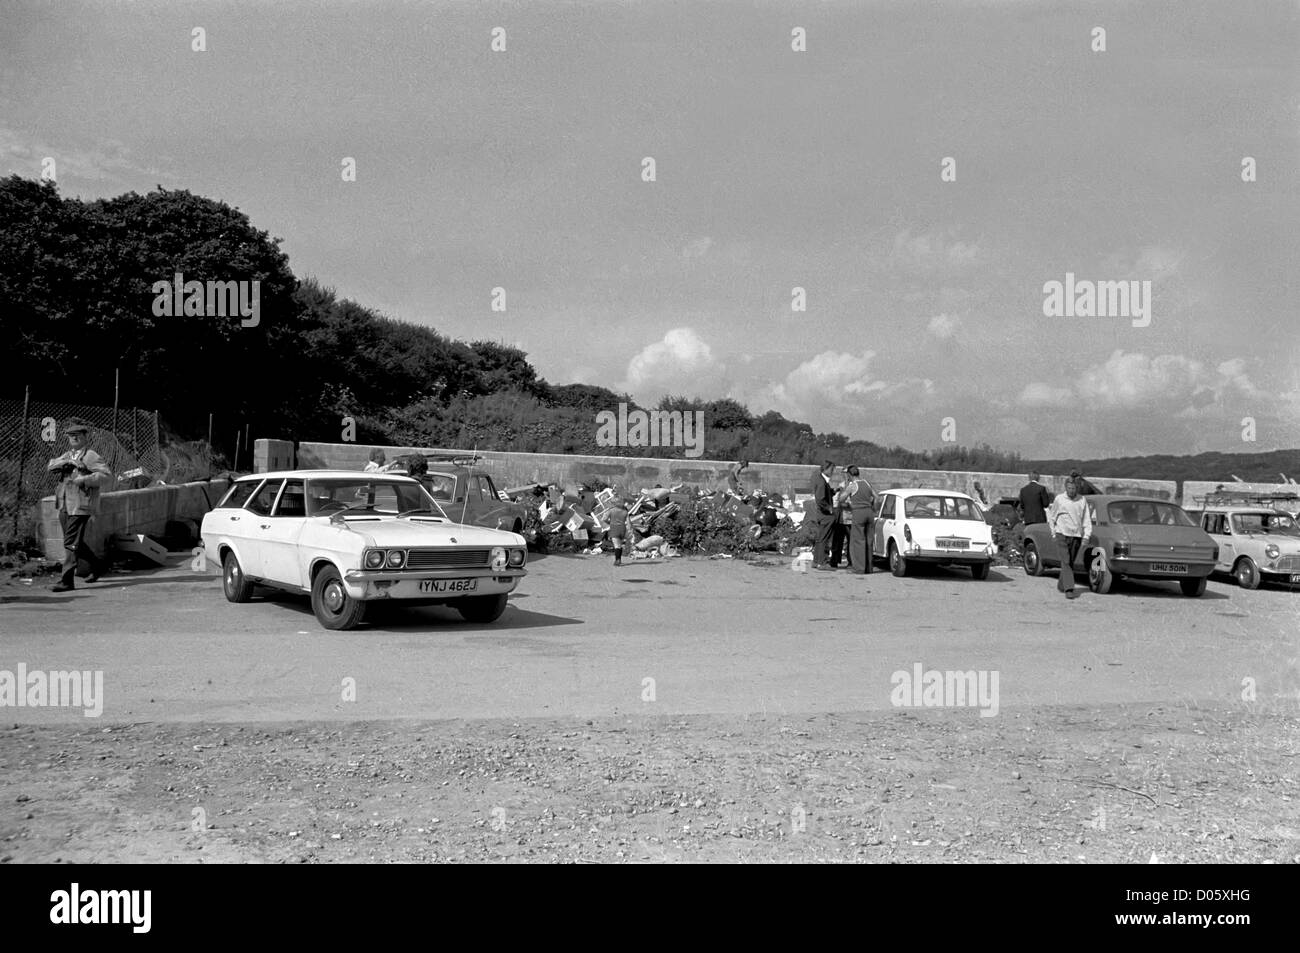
1192	587
1033	561
481	608
334	608
979	570
1246	573
236	587
897	561
1100	578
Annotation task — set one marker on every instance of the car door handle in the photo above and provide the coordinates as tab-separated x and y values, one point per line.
266	525
234	519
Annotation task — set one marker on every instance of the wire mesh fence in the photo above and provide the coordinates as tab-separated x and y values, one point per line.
31	434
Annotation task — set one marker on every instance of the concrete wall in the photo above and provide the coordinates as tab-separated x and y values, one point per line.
270	455
632	473
145	511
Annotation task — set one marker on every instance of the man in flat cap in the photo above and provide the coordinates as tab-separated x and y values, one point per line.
81	472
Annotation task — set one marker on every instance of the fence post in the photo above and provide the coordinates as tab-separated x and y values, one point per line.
22	457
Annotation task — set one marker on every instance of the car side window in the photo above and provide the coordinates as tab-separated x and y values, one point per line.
238	495
886	507
293	501
264	498
486	489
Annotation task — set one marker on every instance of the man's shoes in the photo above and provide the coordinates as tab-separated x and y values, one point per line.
1072	593
824	568
61	587
93	577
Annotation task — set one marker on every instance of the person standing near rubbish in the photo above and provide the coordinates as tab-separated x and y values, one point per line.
840	551
824	511
616	516
1034	501
81	472
861	498
1070	524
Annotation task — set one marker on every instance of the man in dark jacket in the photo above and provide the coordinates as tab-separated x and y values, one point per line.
824	512
1034	501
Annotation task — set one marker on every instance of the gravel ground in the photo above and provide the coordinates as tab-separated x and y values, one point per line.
1057	785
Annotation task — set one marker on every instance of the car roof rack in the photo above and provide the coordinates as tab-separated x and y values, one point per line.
458	459
1227	498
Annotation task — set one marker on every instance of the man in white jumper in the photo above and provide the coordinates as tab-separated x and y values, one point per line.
1070	524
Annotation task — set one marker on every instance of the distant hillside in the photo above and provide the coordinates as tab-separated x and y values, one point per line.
1252	467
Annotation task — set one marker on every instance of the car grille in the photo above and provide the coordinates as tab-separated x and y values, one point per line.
447	558
1288	564
1163	554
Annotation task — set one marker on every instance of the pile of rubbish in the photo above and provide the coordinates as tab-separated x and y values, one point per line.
662	522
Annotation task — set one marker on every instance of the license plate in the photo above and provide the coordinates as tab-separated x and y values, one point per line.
1295	577
448	585
1169	567
952	543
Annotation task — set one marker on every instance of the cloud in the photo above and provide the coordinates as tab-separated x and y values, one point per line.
932	250
108	160
1172	383
679	363
834	380
697	248
943	326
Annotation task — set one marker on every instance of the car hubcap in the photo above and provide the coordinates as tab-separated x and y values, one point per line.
232	576
334	597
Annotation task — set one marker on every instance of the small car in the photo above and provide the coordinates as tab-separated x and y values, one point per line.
469	495
1256	543
348	539
1134	537
943	527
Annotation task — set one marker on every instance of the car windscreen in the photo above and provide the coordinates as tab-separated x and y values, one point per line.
441	485
1274	524
373	496
1147	513
940	508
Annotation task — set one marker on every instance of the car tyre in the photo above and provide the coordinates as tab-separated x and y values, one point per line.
482	608
979	570
1100	577
334	608
897	561
1246	573
1033	561
233	581
1193	587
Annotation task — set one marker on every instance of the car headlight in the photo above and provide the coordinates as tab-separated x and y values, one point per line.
517	557
396	559
374	558
1120	549
1272	551
498	559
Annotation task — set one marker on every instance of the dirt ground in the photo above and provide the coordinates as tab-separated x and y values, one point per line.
1122	732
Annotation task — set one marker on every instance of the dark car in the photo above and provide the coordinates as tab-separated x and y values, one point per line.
1132	537
468	494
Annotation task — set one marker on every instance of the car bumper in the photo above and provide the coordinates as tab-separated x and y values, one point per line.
947	556
430	585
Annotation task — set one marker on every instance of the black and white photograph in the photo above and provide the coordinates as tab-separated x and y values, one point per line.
644	432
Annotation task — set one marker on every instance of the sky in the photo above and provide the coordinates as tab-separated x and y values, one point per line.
774	169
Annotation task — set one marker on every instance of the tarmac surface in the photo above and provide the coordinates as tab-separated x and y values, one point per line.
684	709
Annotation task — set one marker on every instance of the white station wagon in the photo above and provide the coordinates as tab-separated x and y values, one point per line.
349	539
932	526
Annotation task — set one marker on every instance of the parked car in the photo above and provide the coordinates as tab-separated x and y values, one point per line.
932	526
1132	537
1256	543
348	539
468	493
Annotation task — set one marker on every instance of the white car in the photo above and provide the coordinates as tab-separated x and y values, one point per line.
943	527
348	539
1256	543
